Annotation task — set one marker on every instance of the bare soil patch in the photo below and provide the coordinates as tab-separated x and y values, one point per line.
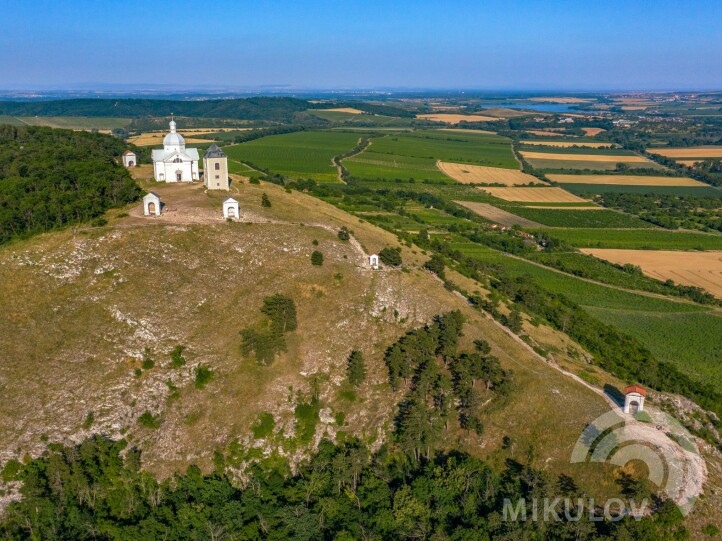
700	269
494	214
477	174
535	195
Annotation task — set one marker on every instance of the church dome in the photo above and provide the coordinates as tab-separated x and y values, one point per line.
173	138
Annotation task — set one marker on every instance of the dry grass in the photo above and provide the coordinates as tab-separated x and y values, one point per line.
477	174
156	138
350	110
625	180
466	130
591	132
494	214
535	195
583	157
544	133
689	152
701	269
566	144
449	118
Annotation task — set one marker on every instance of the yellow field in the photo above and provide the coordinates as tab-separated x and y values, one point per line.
688	163
690	152
156	138
477	174
624	180
591	132
701	269
583	157
535	195
349	110
490	212
566	144
455	119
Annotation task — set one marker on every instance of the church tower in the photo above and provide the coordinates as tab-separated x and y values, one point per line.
215	169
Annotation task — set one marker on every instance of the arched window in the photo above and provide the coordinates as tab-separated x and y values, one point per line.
177	160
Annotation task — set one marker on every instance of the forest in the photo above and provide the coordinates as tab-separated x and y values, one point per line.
52	178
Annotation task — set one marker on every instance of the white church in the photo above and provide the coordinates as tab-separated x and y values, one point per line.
175	162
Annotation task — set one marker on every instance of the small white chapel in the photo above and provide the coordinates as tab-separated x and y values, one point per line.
175	162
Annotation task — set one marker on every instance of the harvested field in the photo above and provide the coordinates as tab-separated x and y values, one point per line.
535	195
564	144
350	110
689	152
466	130
700	269
688	163
455	119
477	174
583	157
156	138
545	133
591	132
497	215
625	180
562	208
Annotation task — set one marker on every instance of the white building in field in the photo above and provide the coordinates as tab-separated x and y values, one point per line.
175	162
151	204
230	208
129	159
215	169
634	396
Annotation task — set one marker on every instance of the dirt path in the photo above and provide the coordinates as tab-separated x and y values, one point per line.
338	162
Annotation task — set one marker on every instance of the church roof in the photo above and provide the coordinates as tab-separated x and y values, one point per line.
635	389
230	200
160	155
214	151
128	152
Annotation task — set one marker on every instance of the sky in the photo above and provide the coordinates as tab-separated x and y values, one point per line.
581	45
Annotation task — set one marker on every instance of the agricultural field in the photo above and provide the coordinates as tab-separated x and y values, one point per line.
702	152
699	269
297	155
496	215
703	190
568	144
149	139
600	159
591	132
103	124
535	195
478	174
374	165
638	239
625	180
572	154
575	217
478	149
451	118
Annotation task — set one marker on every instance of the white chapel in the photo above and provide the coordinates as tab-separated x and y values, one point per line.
175	162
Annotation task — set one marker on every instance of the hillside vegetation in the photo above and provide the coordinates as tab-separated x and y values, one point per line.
51	178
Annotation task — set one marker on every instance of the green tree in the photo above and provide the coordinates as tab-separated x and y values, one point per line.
356	368
317	258
436	265
281	310
343	234
265	200
391	256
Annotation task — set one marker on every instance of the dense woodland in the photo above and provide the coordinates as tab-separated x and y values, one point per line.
52	178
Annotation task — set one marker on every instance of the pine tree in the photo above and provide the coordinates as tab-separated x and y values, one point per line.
317	258
356	368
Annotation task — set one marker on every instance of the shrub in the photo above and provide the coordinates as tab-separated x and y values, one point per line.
343	234
356	368
148	420
265	201
317	258
203	376
176	356
263	425
390	256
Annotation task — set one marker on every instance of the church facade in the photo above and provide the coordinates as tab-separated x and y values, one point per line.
175	162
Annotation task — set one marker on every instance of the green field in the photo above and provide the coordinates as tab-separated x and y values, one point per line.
296	155
479	149
68	122
692	341
571	164
689	335
699	191
650	239
373	165
587	151
575	218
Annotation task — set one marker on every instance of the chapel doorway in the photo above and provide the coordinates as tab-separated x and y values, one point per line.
634	407
131	164
151	208
178	176
231	212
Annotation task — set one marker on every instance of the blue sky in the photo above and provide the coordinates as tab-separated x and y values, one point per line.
522	44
